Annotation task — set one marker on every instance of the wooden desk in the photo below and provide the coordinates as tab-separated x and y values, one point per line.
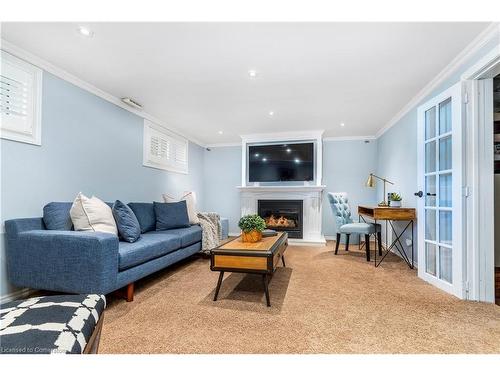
390	214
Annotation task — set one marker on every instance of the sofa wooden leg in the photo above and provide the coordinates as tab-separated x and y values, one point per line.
130	292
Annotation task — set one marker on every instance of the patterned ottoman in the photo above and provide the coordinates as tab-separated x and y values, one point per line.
53	324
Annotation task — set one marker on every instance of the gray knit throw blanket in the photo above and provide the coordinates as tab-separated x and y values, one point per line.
210	225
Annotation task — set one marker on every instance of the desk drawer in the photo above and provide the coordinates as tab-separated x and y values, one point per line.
240	262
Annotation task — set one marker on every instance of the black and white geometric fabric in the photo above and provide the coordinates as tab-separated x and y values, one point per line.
52	324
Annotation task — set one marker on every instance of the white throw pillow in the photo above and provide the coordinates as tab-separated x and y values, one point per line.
92	214
190	198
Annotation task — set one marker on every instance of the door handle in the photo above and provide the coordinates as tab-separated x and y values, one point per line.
431	195
419	194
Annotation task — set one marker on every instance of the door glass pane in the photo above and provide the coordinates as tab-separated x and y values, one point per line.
430	123
430	258
430	157
430	225
445	190
445	264
430	191
445	153
445	227
445	116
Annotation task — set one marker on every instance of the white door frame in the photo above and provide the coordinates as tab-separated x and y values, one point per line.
479	177
458	249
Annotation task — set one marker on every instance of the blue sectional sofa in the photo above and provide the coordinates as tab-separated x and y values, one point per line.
68	261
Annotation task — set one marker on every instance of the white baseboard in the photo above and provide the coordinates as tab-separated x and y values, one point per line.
307	242
18	294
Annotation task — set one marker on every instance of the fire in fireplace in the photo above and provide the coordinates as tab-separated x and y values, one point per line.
282	215
281	221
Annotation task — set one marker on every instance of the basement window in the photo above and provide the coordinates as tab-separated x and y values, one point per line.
163	149
20	100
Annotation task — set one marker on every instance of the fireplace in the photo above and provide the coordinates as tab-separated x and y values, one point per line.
283	215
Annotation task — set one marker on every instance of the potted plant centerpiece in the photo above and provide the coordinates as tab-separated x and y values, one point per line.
395	200
251	228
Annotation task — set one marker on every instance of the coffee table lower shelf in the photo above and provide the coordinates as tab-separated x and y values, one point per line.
261	259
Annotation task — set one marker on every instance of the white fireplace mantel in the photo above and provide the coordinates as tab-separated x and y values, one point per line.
312	197
282	189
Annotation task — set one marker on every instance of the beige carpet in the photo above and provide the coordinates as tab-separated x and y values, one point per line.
321	303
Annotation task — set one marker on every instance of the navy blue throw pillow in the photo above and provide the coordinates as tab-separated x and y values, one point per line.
126	222
171	215
145	214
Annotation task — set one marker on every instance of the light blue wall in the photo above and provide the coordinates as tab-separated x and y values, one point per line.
88	145
397	148
346	165
222	174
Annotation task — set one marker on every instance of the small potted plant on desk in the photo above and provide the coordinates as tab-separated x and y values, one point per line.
395	200
251	228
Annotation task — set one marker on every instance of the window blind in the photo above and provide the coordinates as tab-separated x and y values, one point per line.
20	100
164	150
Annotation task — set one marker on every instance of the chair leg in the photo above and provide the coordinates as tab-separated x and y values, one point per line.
379	241
337	244
347	241
367	247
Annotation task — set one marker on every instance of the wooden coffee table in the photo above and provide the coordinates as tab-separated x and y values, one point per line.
259	258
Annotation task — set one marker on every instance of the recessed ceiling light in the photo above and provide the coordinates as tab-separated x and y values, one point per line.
252	73
220	132
342	124
271	113
288	150
85	32
264	159
297	160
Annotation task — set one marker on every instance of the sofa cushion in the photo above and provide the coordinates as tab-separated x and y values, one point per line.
188	236
171	215
92	214
145	214
149	246
190	198
56	216
126	222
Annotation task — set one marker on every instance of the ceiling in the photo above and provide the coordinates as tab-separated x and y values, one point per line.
194	76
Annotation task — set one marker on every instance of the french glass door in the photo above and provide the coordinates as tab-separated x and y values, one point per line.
439	140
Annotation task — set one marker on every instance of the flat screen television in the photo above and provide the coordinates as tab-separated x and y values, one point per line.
281	162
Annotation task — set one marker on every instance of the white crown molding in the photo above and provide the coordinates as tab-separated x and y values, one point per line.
230	144
283	136
492	31
353	138
61	73
326	139
485	66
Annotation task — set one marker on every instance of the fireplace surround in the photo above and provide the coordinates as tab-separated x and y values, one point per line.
311	196
284	215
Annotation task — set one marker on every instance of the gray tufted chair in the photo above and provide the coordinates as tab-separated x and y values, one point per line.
345	225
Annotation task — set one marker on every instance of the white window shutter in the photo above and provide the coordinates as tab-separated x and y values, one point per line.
164	149
20	100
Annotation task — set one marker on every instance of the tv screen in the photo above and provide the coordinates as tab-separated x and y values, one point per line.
281	162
